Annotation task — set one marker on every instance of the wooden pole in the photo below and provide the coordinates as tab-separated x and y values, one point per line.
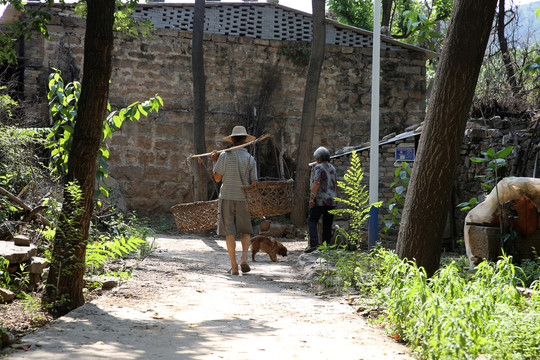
231	148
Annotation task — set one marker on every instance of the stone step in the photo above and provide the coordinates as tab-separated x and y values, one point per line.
16	254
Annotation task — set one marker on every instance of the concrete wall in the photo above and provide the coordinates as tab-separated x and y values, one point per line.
148	158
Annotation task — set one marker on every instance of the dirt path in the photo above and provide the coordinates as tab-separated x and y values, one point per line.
181	304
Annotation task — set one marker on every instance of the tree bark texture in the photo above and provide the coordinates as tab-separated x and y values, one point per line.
65	281
199	99
386	14
307	126
429	192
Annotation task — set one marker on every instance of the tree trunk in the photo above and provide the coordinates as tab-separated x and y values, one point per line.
199	98
305	140
429	192
386	15
65	281
503	45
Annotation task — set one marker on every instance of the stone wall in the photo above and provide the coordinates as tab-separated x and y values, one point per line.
480	135
243	75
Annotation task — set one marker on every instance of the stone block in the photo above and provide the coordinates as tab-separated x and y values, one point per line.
36	266
21	240
16	254
6	295
484	242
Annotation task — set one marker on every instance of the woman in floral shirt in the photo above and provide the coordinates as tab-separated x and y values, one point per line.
323	192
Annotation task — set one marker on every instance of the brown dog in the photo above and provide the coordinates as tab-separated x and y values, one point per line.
268	245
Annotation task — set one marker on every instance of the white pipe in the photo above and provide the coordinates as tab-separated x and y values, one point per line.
375	71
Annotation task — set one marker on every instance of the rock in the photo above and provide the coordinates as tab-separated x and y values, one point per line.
16	254
109	284
36	266
6	338
484	242
21	240
6	295
34	279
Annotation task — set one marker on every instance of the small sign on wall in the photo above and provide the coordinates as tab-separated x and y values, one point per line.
404	154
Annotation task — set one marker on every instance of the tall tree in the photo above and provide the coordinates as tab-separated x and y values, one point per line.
309	109
428	195
65	281
199	99
505	52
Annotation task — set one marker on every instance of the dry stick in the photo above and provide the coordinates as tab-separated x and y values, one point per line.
231	148
23	205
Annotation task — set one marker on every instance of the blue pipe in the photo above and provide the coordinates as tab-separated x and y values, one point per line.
373	227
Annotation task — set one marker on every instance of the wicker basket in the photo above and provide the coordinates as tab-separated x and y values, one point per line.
196	216
269	198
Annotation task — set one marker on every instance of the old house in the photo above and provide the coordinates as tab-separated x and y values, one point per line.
256	57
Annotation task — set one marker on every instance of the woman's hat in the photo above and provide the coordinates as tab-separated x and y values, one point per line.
239	131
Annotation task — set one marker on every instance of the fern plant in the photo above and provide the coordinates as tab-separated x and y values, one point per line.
356	203
99	252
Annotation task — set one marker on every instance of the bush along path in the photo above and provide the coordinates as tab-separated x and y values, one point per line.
181	304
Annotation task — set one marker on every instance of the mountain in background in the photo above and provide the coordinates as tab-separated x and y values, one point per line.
529	24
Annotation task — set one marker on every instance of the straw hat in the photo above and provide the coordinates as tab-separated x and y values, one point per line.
239	131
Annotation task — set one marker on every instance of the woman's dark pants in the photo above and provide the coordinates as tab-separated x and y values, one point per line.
313	218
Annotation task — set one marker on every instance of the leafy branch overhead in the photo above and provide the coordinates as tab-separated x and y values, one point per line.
63	103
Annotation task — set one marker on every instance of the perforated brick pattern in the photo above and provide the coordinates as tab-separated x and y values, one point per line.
259	21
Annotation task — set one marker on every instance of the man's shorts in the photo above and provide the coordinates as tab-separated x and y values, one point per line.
233	218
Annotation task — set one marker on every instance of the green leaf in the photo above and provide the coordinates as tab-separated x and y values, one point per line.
117	120
504	152
478	160
490	153
104	191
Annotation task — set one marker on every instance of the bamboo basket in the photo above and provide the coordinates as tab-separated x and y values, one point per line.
269	198
196	216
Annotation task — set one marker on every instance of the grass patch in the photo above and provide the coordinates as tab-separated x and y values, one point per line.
456	314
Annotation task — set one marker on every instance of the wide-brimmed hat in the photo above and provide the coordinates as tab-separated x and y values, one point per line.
239	130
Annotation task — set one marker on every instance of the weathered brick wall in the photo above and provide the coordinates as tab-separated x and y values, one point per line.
147	158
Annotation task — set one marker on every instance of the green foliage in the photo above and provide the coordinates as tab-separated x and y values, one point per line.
18	166
5	278
457	315
63	103
415	22
534	67
343	270
356	203
35	19
357	13
493	86
495	161
100	252
395	204
124	23
298	54
6	102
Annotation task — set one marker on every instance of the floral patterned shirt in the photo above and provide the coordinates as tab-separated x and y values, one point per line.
325	173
